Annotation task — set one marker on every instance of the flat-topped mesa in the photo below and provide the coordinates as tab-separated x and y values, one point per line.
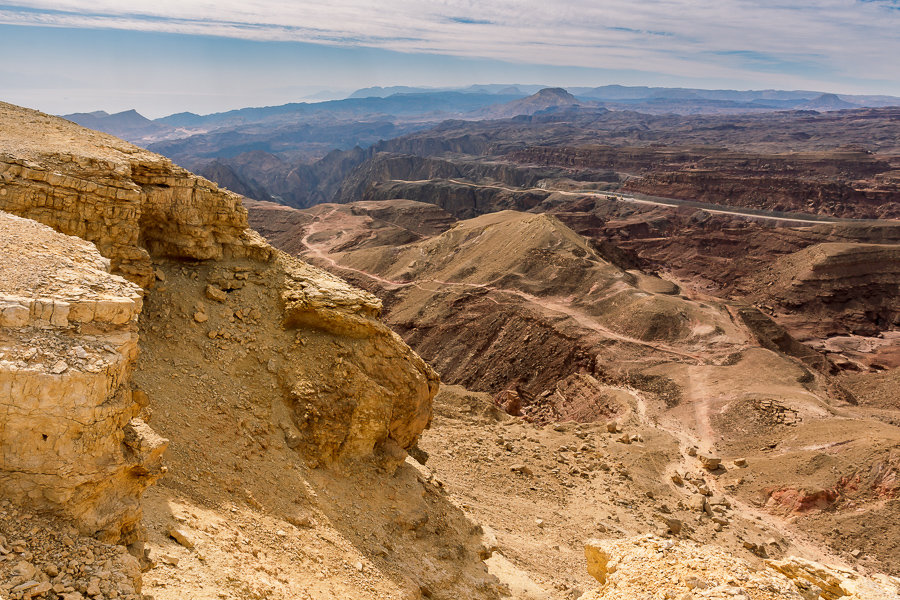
131	203
70	442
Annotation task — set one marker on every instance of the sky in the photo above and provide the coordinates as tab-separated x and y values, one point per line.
167	56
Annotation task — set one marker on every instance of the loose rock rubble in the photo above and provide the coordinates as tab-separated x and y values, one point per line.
815	580
651	567
43	558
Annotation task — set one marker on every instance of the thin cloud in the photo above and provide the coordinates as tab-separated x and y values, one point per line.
820	40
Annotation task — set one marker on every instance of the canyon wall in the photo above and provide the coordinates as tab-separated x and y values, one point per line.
776	193
849	284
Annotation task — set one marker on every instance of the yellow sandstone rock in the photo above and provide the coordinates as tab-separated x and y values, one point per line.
130	202
69	439
68	328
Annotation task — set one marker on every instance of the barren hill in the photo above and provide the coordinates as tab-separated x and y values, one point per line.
544	100
522	307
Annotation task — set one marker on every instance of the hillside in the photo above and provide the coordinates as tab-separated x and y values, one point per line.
213	294
192	413
547	99
555	329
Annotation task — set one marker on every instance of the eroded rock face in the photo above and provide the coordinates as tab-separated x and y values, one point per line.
71	443
362	391
375	393
856	284
131	203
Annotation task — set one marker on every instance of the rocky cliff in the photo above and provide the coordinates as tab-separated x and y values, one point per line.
841	183
70	437
855	285
347	385
777	193
129	202
387	167
462	200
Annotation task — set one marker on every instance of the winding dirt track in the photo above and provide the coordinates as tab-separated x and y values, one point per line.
699	433
559	306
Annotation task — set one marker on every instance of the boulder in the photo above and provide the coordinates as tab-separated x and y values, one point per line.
834	582
674	568
709	462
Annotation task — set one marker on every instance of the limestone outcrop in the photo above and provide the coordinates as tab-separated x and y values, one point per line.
131	203
70	439
831	583
339	383
627	568
376	392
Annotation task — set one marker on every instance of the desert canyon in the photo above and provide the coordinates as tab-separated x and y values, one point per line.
559	351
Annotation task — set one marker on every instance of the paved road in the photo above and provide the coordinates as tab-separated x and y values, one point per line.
668	202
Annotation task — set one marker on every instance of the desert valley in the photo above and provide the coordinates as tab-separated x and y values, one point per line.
616	343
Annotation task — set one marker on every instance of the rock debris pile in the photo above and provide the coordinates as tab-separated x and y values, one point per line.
45	558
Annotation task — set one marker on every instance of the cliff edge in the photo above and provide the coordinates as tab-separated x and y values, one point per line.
344	386
131	203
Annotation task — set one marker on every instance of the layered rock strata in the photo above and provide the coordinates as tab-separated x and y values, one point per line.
856	284
68	329
71	443
131	203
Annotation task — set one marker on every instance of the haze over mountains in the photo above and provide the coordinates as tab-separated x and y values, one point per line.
282	153
435	104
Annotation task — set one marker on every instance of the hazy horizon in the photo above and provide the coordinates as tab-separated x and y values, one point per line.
166	57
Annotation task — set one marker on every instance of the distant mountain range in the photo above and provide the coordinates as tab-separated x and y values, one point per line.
502	89
302	122
129	124
547	99
430	105
623	93
303	132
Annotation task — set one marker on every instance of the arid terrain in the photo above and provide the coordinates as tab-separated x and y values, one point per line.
558	329
496	359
